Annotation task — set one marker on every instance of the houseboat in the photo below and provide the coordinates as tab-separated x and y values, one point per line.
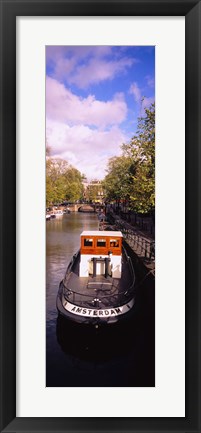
99	284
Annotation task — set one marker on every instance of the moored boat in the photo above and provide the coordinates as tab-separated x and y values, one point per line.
66	211
99	284
58	213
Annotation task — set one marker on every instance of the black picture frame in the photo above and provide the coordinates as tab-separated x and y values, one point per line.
191	9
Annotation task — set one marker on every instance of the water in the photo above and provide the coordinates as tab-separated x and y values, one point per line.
78	356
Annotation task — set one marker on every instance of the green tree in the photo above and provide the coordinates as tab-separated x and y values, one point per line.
63	182
73	184
141	150
131	176
117	183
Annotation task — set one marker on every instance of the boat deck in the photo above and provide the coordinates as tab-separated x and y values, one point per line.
105	291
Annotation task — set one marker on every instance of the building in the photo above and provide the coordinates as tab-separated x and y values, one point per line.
93	191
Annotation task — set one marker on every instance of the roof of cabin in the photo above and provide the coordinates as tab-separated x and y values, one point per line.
101	233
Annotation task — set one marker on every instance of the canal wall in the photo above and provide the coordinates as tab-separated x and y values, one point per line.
141	269
139	247
145	285
139	242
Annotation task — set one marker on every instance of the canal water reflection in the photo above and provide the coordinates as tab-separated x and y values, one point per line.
78	356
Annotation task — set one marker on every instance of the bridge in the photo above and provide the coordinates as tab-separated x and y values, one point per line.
79	207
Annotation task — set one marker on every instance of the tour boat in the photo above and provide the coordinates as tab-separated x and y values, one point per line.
99	284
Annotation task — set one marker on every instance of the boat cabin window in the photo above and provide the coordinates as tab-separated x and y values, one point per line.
88	242
114	243
101	242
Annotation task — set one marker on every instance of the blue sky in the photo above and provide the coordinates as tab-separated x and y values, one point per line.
93	100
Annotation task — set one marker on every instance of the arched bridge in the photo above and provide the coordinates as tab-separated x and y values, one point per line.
84	207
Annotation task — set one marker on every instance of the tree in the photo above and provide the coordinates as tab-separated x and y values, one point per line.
73	184
131	176
117	183
63	182
141	150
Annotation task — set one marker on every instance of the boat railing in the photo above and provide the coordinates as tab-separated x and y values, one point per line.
131	269
72	261
84	298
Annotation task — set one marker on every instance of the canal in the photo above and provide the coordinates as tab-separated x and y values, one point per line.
123	355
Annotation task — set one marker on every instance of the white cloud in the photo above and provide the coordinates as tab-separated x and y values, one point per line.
64	106
139	98
84	65
86	149
150	81
98	70
56	52
136	92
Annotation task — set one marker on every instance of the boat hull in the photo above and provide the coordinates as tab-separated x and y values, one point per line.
94	316
100	304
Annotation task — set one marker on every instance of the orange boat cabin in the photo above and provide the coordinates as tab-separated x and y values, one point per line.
101	253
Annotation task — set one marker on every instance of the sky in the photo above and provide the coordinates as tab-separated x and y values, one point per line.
93	101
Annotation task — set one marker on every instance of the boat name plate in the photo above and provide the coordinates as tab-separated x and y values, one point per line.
92	312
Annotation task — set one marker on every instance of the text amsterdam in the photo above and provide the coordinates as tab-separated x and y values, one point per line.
88	312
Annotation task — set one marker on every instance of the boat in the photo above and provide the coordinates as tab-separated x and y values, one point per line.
58	213
99	284
66	211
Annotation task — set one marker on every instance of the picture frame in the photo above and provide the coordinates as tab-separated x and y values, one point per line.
9	11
